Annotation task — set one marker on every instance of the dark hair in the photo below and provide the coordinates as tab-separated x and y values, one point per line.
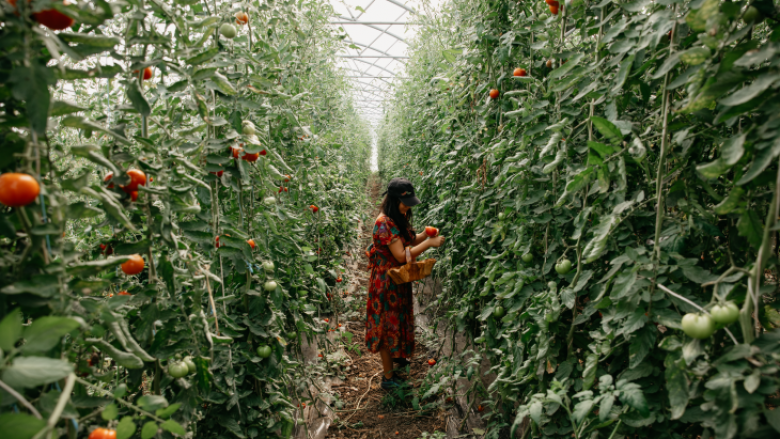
403	222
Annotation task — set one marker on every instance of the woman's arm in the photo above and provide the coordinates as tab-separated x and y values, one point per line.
419	238
397	248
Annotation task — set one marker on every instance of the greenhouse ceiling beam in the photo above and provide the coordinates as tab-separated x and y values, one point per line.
402	6
373	65
384	31
361	72
366	46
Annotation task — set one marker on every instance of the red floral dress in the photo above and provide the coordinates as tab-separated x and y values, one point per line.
390	310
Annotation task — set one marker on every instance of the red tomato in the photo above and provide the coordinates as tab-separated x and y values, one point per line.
431	231
242	18
314	208
338	279
235	151
137	178
263	153
134	196
431	362
108	177
124	293
251	243
18	189
251	157
102	433
494	94
519	72
133	266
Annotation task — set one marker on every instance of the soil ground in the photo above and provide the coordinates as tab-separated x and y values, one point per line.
368	411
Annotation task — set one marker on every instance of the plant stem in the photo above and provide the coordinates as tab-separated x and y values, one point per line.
20	398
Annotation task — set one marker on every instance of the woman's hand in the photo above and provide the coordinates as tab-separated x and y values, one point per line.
436	241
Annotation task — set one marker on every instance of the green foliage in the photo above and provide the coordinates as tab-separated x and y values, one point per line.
77	115
643	147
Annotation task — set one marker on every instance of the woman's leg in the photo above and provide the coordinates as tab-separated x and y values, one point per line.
387	362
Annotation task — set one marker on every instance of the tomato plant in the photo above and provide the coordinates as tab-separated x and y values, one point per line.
106	280
634	149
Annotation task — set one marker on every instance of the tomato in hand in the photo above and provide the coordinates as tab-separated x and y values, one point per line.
725	314
431	231
699	326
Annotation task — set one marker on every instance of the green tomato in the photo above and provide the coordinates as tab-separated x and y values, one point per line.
563	266
190	365
725	314
528	257
552	285
752	14
499	312
269	201
501	216
264	351
698	326
268	266
178	369
292	336
270	285
228	31
248	127
479	340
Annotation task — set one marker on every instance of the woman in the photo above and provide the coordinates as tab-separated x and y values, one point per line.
390	310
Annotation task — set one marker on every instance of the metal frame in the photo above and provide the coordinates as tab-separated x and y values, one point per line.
366	62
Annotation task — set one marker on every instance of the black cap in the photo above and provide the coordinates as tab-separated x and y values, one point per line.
403	189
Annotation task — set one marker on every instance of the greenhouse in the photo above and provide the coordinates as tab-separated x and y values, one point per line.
378	219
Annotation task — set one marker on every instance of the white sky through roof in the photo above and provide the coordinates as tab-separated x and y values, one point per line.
378	49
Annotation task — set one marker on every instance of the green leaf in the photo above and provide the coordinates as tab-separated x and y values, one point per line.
152	402
203	56
631	395
732	149
149	430
757	87
641	345
173	427
137	99
695	56
223	84
45	333
95	155
30	84
589	372
168	411
110	412
84	124
10	329
28	372
94	267
20	425
126	428
750	226
582	409
713	169
61	108
607	129
89	40
602	149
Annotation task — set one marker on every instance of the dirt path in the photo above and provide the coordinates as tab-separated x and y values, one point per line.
367	411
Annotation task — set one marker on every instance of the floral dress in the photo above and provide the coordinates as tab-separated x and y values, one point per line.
390	310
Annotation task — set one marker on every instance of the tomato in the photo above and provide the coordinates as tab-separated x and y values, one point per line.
178	369
134	196
338	279
228	31
554	10
191	367
107	178
134	265
326	320
251	157
281	189
268	266
494	94
102	433
552	285
752	14
242	18
124	293
431	231
431	362
251	243
54	20
501	216
563	266
17	190
218	173
269	200
263	153
148	73
519	72
287	178
527	257
235	151
698	326
270	285
248	128
264	351
549	63
480	408
499	312
102	247
725	314
137	178
314	208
